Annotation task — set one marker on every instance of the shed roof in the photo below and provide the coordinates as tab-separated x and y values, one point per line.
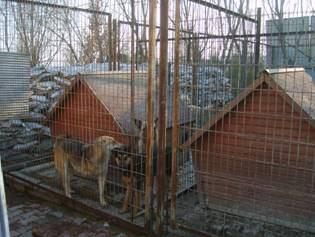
114	92
298	85
295	85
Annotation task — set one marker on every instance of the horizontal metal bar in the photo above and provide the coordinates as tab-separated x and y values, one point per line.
26	164
240	36
58	6
222	9
158	27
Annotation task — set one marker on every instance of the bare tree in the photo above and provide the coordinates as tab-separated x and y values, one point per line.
69	33
32	23
84	42
233	26
5	12
187	26
275	10
228	25
275	7
126	6
96	39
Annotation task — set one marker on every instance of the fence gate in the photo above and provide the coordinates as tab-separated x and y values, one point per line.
237	162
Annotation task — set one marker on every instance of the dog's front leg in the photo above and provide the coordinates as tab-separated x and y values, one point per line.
101	187
128	183
137	200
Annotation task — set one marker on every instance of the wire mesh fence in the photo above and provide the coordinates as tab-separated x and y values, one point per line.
251	145
204	121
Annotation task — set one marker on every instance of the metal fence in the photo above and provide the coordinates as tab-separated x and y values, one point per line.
188	115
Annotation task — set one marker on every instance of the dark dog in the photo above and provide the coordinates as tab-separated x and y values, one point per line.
134	166
133	178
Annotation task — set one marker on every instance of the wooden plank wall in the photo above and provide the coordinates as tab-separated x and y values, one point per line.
84	117
259	156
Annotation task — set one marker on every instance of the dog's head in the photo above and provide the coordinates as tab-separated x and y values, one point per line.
101	146
109	143
141	134
122	159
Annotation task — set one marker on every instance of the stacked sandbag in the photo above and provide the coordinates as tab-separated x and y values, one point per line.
46	88
28	135
212	88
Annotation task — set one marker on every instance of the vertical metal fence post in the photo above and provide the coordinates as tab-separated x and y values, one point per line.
257	42
175	123
114	45
162	116
4	223
118	45
195	69
132	77
132	92
150	111
110	55
137	44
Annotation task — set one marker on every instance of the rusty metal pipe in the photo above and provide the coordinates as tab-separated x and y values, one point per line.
132	76
132	92
110	55
162	116
257	42
150	112
175	113
114	46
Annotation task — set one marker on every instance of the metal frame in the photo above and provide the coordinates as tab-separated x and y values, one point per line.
4	223
163	201
46	4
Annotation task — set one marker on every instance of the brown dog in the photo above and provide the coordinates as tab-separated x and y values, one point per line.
90	160
133	166
132	179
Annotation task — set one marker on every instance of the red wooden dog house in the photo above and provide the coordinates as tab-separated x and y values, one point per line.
97	105
256	157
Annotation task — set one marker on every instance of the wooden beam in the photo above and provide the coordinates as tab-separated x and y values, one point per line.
176	112
150	112
162	117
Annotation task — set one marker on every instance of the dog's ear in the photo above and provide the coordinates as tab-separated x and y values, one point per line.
117	160
138	123
155	123
128	160
116	146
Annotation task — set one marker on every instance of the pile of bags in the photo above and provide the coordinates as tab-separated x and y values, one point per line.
28	135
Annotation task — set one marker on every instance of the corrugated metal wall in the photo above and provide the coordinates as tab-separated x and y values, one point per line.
14	84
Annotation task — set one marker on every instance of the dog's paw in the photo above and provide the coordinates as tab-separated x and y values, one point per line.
103	203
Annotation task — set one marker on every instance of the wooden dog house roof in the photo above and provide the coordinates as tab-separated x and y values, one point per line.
293	84
114	92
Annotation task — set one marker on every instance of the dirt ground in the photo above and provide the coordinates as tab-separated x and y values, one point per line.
27	215
222	224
